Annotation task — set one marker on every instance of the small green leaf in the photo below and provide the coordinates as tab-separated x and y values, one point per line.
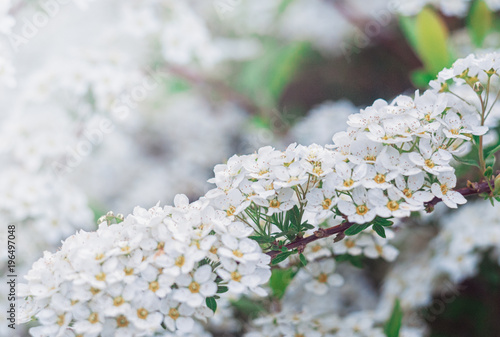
279	281
261	239
383	222
222	289
431	35
479	22
379	229
490	152
211	303
393	325
355	229
303	259
280	258
466	161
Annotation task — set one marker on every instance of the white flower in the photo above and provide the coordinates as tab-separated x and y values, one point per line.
323	276
359	209
193	290
444	190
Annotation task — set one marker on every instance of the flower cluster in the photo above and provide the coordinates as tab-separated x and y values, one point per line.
392	159
162	268
361	323
158	267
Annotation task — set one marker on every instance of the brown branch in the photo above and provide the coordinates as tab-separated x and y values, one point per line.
220	87
471	189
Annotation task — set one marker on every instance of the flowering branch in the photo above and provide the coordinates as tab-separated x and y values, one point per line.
471	189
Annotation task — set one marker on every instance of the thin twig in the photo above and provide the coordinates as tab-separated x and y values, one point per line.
471	189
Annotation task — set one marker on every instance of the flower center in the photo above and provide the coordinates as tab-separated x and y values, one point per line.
429	163
122	321
317	170
213	250
316	248
179	261
407	193
274	203
173	313
60	320
94	318
128	271
379	178
322	278
326	203
154	286
379	249
231	210
393	205
94	291
370	158
237	253
100	277
349	243
235	276
348	183
117	301
361	209
444	189
194	287
142	313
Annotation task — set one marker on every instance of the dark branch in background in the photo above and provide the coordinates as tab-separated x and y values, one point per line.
221	88
471	189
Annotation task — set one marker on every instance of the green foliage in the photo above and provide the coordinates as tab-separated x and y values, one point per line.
265	78
432	40
280	279
393	325
356	228
428	36
379	229
248	307
479	22
303	260
281	257
211	303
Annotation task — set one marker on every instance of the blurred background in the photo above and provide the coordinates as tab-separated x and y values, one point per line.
106	105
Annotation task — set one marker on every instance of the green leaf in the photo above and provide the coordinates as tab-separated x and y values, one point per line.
431	36
303	259
393	325
408	27
211	303
222	289
280	258
466	161
355	229
422	77
379	230
265	78
383	222
279	281
479	22
248	307
261	239
490	152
